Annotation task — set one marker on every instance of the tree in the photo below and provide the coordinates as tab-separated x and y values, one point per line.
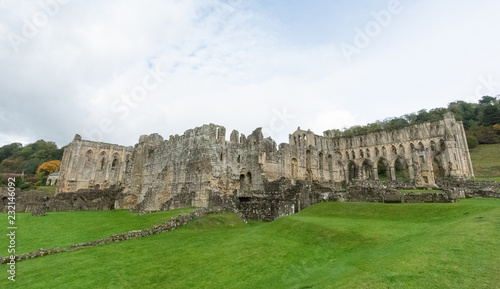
472	141
48	168
490	115
9	150
487	135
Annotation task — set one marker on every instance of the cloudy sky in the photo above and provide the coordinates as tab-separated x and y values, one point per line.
114	70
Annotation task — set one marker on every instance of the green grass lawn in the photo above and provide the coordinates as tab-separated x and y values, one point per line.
49	190
329	245
62	229
486	162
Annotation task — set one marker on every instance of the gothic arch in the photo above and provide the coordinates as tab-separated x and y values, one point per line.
383	169
394	152
308	159
438	168
384	152
352	170
433	146
116	161
401	150
401	168
102	160
330	163
294	168
89	155
367	169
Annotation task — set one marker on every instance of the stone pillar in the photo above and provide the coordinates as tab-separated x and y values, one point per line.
393	173
375	173
411	172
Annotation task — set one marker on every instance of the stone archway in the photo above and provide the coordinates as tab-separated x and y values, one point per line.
384	170
352	171
367	170
438	168
401	169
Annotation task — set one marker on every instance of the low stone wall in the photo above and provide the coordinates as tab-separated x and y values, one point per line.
386	193
471	188
83	200
26	201
174	223
263	208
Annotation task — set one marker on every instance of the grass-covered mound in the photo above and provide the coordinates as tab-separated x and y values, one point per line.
329	245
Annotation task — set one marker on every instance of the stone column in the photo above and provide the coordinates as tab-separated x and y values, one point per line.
375	173
393	173
411	172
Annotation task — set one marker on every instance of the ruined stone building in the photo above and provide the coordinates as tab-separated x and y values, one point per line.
201	162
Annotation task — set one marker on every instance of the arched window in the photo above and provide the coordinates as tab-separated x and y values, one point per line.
320	156
114	164
88	157
433	146
102	160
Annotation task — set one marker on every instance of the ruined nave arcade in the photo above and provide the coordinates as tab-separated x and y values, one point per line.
421	153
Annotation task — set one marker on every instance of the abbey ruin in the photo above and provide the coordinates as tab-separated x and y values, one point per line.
193	168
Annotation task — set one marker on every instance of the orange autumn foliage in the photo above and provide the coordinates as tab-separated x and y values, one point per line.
49	167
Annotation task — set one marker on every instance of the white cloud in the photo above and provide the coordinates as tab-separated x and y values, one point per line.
227	63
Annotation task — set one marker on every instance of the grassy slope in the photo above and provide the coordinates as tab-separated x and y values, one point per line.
486	161
67	228
329	245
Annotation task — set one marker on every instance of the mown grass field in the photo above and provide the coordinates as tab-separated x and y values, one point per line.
63	229
329	245
486	162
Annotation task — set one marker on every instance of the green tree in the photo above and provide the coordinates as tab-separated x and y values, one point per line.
9	150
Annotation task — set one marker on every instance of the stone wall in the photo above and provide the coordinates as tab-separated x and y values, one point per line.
83	200
470	188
